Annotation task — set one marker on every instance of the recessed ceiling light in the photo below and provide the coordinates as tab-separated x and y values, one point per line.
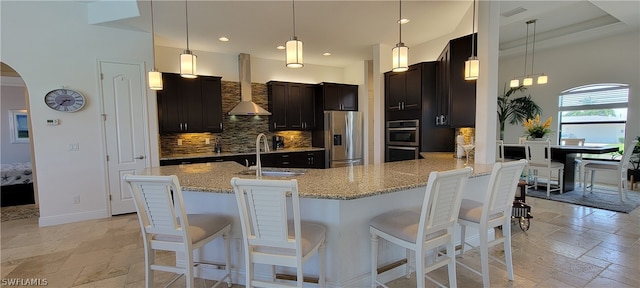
403	21
280	47
223	39
326	54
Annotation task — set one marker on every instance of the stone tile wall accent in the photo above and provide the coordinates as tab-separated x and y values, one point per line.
468	133
239	133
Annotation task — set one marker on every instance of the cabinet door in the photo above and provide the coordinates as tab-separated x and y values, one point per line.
348	95
277	105
462	110
294	105
442	99
395	88
308	108
331	98
212	103
170	104
413	88
192	105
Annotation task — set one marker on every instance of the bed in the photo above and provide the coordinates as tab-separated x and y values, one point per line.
16	184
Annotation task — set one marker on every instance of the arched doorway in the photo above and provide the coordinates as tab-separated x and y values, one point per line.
19	189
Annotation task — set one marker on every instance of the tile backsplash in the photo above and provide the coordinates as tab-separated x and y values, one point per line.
239	133
469	137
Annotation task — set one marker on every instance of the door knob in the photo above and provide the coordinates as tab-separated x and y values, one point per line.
139	157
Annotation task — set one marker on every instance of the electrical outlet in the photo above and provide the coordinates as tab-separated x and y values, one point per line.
207	141
75	199
179	142
74	146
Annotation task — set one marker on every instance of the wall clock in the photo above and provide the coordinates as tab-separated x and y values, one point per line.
65	100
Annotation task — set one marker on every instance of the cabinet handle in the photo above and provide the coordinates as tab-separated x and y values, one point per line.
437	120
181	127
220	125
274	125
186	127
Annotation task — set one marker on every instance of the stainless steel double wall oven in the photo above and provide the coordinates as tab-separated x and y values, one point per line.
402	140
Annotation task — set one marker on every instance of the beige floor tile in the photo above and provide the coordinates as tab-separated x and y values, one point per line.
601	282
566	246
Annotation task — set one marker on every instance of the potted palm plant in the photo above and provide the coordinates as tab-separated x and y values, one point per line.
515	109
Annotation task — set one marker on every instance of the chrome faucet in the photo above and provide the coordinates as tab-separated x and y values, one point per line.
266	149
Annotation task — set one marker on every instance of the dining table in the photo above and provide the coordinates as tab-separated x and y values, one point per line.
565	154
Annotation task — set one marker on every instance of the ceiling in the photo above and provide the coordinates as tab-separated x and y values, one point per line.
349	29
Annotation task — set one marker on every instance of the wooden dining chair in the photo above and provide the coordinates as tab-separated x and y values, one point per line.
578	161
425	229
167	227
540	165
495	210
620	168
271	236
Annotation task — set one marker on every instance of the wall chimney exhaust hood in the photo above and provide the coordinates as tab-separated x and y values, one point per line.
246	106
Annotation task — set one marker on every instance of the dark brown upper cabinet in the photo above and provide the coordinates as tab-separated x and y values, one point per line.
292	106
456	97
190	105
337	96
403	90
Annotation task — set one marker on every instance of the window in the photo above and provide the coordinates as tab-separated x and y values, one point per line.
595	112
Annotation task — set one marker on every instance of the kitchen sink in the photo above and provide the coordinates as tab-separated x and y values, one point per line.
274	172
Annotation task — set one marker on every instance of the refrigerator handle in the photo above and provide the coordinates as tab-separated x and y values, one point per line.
348	133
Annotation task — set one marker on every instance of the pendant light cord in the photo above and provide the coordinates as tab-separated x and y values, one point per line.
526	50
400	22
533	48
473	30
153	38
294	18
186	20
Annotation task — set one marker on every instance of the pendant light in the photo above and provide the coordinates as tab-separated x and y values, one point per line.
472	66
294	46
528	78
542	79
187	58
155	77
400	52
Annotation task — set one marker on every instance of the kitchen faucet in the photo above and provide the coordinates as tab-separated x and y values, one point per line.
266	149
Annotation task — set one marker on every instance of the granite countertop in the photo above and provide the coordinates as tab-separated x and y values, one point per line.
343	183
221	154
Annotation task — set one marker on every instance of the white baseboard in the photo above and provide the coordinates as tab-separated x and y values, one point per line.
73	217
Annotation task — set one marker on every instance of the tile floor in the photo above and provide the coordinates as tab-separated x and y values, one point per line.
566	246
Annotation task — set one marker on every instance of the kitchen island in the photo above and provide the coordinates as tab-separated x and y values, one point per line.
343	199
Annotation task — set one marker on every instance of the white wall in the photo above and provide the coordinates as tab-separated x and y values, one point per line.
12	97
262	70
50	45
613	59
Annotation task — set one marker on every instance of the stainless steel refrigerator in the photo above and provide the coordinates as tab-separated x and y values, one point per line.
341	136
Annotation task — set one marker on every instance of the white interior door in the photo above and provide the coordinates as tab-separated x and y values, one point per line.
123	92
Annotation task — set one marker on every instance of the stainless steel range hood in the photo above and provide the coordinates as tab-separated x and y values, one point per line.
246	106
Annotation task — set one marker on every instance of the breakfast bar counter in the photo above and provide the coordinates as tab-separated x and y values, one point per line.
341	183
342	199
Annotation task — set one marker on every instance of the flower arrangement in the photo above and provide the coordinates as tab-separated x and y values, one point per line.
537	129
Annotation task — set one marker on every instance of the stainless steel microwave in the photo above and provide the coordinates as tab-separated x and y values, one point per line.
403	133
